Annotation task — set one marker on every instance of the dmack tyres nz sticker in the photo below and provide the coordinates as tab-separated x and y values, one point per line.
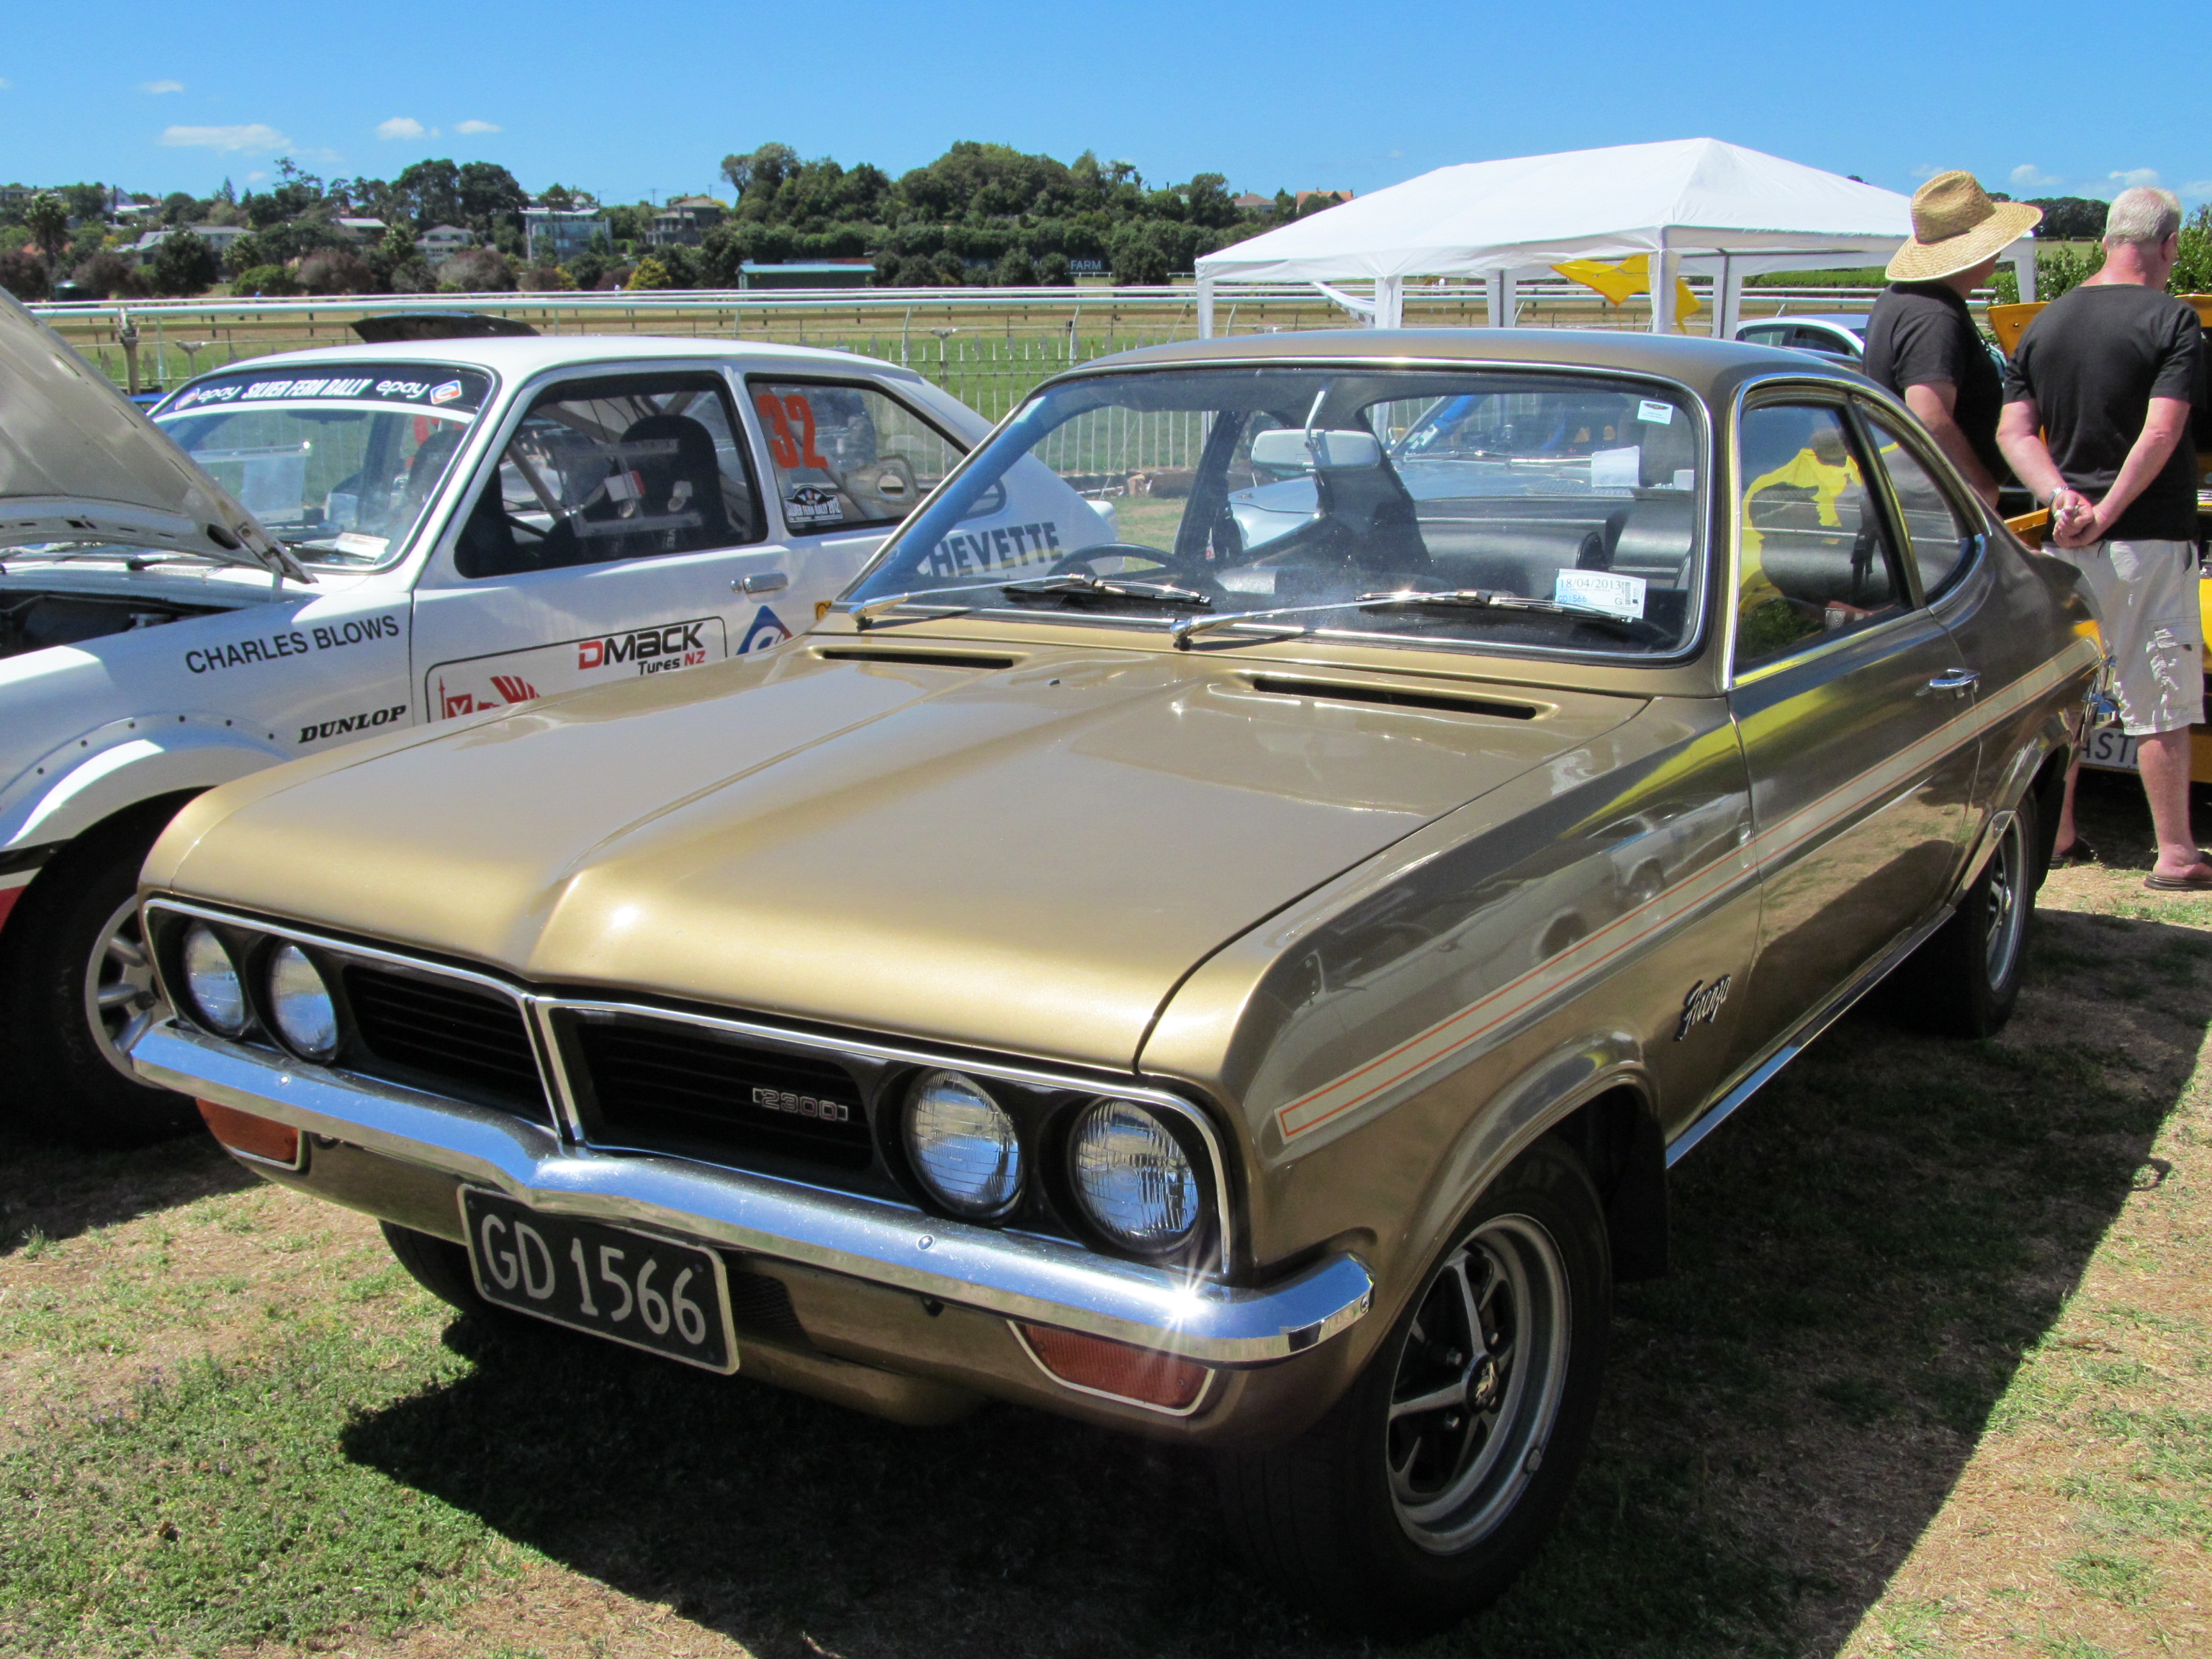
470	685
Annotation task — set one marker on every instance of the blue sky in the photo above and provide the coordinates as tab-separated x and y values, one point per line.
628	100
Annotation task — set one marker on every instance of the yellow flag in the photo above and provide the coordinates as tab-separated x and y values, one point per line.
1632	276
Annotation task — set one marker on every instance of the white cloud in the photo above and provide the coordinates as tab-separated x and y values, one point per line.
400	126
2029	174
2196	189
160	86
474	127
2132	177
1923	171
6	85
257	136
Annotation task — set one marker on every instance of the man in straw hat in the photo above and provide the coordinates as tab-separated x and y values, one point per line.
2098	400
1921	340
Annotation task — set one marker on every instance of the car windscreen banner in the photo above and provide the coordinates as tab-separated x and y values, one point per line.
437	388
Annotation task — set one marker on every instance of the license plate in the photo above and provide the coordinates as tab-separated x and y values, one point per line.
2109	747
653	1293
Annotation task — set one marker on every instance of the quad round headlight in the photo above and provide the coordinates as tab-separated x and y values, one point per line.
300	1004
1133	1177
211	980
963	1145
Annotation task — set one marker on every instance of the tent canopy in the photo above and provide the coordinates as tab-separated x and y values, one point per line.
1698	206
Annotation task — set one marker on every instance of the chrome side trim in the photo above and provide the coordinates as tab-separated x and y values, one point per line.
1017	1276
1800	1037
1205	1389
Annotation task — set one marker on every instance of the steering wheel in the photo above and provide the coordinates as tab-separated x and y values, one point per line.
1168	567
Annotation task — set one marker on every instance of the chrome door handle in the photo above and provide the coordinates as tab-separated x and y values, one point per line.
764	581
1958	682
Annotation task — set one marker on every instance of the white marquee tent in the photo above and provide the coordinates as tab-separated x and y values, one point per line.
1694	206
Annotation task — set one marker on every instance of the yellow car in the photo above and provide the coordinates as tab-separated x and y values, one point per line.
2107	746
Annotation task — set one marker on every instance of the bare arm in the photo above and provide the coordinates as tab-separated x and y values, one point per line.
1936	403
2162	428
2020	436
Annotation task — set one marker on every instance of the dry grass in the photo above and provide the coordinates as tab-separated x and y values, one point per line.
1934	1376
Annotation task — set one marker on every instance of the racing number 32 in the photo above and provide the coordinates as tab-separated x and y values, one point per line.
781	414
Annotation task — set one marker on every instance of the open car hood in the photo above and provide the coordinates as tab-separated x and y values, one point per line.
79	463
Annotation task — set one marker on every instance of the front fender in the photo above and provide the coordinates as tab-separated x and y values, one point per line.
97	774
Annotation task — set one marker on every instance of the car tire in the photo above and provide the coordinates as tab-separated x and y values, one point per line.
438	1265
1964	981
1394	1523
78	986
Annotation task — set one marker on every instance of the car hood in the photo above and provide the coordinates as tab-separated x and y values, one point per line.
1025	859
80	463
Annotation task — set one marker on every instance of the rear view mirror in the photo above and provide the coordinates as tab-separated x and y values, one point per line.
1286	449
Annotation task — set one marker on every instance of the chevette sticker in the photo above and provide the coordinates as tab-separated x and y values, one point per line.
352	723
291	642
470	685
999	548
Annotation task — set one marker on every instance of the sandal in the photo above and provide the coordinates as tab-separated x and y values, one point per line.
2198	880
2077	851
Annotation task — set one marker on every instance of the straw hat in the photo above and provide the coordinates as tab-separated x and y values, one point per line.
1956	226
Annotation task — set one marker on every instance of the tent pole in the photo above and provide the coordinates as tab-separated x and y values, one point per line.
1727	302
1206	307
1390	302
1665	266
2022	256
1501	299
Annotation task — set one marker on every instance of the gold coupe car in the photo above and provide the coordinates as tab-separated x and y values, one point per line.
1233	962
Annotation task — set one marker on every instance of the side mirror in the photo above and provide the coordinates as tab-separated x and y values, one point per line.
1284	450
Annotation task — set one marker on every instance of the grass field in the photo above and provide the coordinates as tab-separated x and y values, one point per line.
1933	1376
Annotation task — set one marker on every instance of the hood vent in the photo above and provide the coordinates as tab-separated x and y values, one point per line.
1391	697
926	658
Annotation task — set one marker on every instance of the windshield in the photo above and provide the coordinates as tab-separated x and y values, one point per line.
339	462
1551	511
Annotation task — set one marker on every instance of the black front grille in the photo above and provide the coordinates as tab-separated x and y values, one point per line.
681	1089
439	1034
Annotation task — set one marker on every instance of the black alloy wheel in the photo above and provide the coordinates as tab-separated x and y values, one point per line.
1964	981
1432	1482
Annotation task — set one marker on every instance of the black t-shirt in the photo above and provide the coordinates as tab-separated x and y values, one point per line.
1921	334
2092	361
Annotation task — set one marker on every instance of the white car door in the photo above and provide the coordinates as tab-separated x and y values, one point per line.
848	458
617	534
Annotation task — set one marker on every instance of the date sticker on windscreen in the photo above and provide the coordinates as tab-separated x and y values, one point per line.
1602	590
1654	413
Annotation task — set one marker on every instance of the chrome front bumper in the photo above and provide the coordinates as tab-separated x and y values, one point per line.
1019	1276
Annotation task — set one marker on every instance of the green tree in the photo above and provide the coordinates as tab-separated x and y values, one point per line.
47	219
2070	218
2193	272
184	265
650	273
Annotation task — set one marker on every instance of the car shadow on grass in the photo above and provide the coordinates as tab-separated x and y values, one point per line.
1862	1256
52	1191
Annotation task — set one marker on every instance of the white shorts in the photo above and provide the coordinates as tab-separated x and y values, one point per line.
2148	610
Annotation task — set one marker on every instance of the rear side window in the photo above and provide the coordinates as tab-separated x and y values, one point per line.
845	457
632	466
1815	562
1938	538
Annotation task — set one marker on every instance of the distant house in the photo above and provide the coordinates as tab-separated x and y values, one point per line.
560	234
1329	197
683	220
218	237
1251	199
441	241
363	230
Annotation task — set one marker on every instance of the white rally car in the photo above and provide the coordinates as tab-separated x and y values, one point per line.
373	536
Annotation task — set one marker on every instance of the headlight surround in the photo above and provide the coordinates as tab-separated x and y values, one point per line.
962	1145
213	982
301	1005
1134	1181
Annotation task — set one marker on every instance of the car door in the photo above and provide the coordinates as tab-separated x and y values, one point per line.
619	532
848	459
1854	710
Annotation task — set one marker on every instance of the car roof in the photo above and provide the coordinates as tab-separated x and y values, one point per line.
1852	321
1712	368
514	357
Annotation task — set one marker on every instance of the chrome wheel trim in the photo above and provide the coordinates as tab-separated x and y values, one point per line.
1478	1385
2004	914
120	998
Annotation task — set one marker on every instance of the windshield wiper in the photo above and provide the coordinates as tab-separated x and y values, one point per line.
1070	584
867	616
1486	598
1458	599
